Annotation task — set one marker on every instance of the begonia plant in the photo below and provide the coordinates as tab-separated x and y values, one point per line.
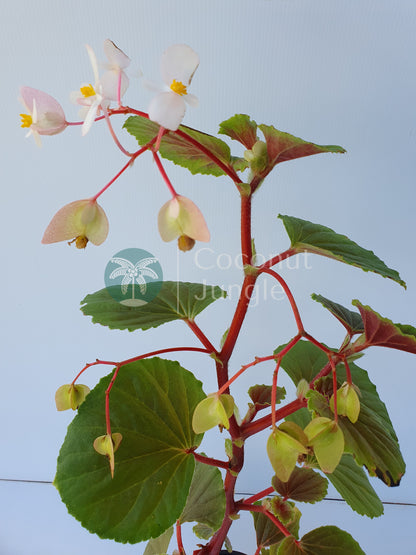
130	468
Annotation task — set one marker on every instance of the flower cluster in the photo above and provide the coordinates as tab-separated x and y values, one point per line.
84	221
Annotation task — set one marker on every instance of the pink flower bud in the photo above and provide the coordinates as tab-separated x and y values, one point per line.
181	218
45	115
81	221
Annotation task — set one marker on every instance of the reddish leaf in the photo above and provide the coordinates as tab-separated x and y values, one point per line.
240	128
282	147
382	332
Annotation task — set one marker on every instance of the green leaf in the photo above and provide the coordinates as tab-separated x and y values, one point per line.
353	485
175	146
282	146
160	545
175	301
206	499
202	531
322	541
304	360
304	485
240	128
352	321
306	236
381	332
151	405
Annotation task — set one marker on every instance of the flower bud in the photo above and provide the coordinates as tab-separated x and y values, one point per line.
181	218
70	396
81	221
107	445
212	411
327	440
348	403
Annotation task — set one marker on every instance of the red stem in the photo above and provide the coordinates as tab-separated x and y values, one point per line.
201	336
107	400
273	399
258	496
289	296
278	258
113	134
210	461
164	175
225	168
179	538
260	509
265	422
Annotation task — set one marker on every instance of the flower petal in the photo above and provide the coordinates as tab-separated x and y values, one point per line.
66	224
167	109
115	56
94	64
192	221
192	100
90	117
97	229
109	84
48	115
82	217
179	62
180	216
168	225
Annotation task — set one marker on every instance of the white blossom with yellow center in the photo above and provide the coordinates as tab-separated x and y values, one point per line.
178	65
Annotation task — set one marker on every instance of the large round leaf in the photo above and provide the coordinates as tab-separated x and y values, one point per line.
151	405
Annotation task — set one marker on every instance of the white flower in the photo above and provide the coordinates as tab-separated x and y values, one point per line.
117	62
45	115
178	65
112	85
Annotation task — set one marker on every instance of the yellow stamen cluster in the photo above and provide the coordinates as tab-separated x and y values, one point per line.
26	120
87	91
80	242
178	87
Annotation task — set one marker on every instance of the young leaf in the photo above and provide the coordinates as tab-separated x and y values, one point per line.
151	405
267	533
212	411
179	150
353	485
240	128
160	545
261	395
304	485
175	301
306	236
322	541
382	332
282	146
327	441
206	499
352	321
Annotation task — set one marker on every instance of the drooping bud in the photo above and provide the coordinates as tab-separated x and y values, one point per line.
212	411
180	217
284	446
107	445
81	221
348	403
70	396
327	440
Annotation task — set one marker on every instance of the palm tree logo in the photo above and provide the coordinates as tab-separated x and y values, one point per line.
135	273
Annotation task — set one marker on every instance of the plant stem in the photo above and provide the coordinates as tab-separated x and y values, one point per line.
179	538
265	422
201	336
289	296
164	175
210	461
258	496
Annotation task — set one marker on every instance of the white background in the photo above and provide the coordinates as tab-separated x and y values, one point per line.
331	72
